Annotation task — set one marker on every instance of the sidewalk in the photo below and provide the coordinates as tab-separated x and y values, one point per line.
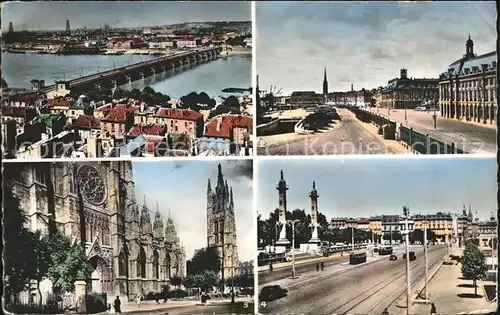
452	295
152	306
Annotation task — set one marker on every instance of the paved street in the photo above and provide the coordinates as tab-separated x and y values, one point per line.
341	288
196	309
471	137
347	137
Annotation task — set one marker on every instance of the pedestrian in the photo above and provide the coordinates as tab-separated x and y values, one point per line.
385	312
433	309
138	300
270	267
118	305
317	266
165	298
322	266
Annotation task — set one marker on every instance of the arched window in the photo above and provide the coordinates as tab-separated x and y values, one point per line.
166	263
141	264
122	264
156	269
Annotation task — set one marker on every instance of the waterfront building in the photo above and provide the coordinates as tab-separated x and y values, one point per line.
87	126
405	92
363	224
468	88
303	99
221	225
131	252
188	41
440	223
127	43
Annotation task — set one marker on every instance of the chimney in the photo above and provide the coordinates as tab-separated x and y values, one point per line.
219	123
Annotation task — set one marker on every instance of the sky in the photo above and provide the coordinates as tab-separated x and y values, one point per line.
180	188
51	16
365	43
369	186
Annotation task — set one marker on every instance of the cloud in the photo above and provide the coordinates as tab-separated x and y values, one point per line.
366	42
239	170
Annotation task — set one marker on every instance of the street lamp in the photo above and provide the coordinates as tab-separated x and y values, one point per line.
406	212
434	117
352	237
426	264
292	224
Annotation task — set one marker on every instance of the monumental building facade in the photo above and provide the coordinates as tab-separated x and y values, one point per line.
133	250
468	88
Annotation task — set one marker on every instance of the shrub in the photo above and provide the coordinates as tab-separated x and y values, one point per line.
179	294
96	303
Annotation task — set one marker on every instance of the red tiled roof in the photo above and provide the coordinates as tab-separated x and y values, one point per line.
13	111
150	130
25	97
86	121
189	37
227	123
60	102
185	114
363	221
119	113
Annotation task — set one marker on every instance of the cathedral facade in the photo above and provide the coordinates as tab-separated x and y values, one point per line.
132	249
221	225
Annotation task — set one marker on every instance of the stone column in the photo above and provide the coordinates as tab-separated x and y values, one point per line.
80	293
314	215
282	188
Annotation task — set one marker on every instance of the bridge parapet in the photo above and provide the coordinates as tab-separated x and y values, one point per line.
148	63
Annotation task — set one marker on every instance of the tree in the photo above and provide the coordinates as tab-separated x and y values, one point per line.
17	239
39	259
417	235
204	259
176	281
68	263
232	101
473	264
207	279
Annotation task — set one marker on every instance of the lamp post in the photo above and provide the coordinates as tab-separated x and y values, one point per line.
426	263
434	116
352	237
292	224
406	212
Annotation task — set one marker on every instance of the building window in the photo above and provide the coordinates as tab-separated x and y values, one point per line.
122	265
166	263
105	236
40	175
141	264
156	271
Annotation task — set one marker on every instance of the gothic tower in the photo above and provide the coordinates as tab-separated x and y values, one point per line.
11	28
221	225
325	87
314	215
282	187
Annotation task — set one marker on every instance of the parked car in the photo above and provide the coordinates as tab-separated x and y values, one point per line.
412	256
393	257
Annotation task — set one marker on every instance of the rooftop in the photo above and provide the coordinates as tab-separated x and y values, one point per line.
150	129
45	119
220	126
119	113
185	114
86	121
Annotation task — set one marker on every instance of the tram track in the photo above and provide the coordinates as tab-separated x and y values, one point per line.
345	297
384	285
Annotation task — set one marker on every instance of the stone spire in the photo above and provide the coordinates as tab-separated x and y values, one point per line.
171	237
145	218
325	85
209	187
158	224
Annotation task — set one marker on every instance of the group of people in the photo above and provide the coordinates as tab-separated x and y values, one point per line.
433	310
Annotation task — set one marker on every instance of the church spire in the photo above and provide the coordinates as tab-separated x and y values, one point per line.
209	187
325	86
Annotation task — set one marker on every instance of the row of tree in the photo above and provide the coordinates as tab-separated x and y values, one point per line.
36	256
267	231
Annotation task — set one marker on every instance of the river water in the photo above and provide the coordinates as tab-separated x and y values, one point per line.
234	71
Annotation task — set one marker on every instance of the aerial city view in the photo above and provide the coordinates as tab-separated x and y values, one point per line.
346	236
163	79
376	78
121	233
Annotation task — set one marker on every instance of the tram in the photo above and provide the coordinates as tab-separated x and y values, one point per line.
357	258
386	250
